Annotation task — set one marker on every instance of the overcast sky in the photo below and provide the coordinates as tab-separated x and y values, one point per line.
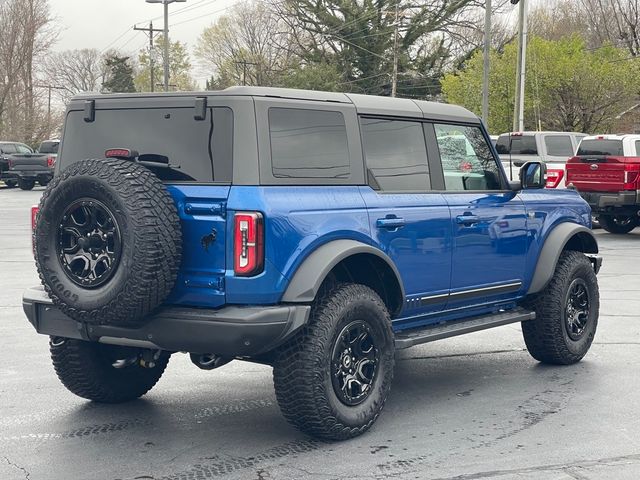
104	24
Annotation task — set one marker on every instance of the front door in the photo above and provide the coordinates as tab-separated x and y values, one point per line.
488	221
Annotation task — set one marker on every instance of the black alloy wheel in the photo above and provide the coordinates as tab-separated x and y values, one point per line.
89	243
577	309
354	363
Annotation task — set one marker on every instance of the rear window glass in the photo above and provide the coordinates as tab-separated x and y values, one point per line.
558	145
517	145
8	148
308	143
638	148
601	147
49	147
167	132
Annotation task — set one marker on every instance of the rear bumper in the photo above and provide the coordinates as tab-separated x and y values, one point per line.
35	175
230	331
602	201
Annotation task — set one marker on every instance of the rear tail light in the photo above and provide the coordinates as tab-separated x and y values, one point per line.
34	220
554	177
51	161
248	252
631	176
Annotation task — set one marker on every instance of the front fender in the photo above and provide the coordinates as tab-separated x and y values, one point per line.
576	237
309	276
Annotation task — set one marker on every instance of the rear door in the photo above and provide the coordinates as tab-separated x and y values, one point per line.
409	221
199	153
488	222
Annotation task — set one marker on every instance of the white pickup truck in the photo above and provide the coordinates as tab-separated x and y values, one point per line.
553	148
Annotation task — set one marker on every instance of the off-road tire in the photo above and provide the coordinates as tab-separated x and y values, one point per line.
150	233
86	369
26	184
547	336
618	224
303	367
11	183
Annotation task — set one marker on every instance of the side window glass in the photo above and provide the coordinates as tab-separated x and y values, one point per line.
222	144
558	145
396	154
467	162
308	143
637	148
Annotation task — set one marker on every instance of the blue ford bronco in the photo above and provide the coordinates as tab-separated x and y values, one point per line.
314	232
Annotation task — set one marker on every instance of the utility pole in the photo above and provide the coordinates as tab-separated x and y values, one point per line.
244	64
165	4
150	31
485	70
518	107
394	78
49	88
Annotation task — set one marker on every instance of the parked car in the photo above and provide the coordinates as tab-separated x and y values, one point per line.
605	172
316	232
20	166
553	148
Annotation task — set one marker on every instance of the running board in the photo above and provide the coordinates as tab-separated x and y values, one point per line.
431	333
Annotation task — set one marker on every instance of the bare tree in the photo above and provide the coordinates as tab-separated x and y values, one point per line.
75	71
249	46
27	34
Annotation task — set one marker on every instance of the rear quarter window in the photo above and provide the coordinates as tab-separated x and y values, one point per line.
308	143
601	147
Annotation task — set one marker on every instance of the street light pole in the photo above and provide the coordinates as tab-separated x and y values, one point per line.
518	106
165	4
485	70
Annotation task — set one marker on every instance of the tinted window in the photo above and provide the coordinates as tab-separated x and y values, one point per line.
601	147
8	148
396	154
308	143
49	147
558	145
517	145
466	159
638	148
169	132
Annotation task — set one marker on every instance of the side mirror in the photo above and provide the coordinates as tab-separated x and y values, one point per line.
533	175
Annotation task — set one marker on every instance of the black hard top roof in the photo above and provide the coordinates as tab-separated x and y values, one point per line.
365	104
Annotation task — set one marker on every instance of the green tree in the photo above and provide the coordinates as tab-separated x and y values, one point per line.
569	87
120	74
179	68
359	38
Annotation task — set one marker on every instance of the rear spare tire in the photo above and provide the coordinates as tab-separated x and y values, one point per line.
108	241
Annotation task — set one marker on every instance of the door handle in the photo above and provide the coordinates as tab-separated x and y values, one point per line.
390	223
467	219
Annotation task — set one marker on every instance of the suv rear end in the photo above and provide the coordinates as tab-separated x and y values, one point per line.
606	171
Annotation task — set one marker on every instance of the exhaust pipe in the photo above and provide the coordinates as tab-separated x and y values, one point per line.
208	361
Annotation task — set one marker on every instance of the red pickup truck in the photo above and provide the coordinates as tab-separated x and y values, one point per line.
606	172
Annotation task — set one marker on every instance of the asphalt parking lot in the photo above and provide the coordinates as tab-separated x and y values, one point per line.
475	407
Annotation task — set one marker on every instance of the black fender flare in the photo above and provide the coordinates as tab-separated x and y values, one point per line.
582	239
306	282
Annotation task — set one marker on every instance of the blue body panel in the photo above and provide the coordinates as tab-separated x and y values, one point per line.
440	255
